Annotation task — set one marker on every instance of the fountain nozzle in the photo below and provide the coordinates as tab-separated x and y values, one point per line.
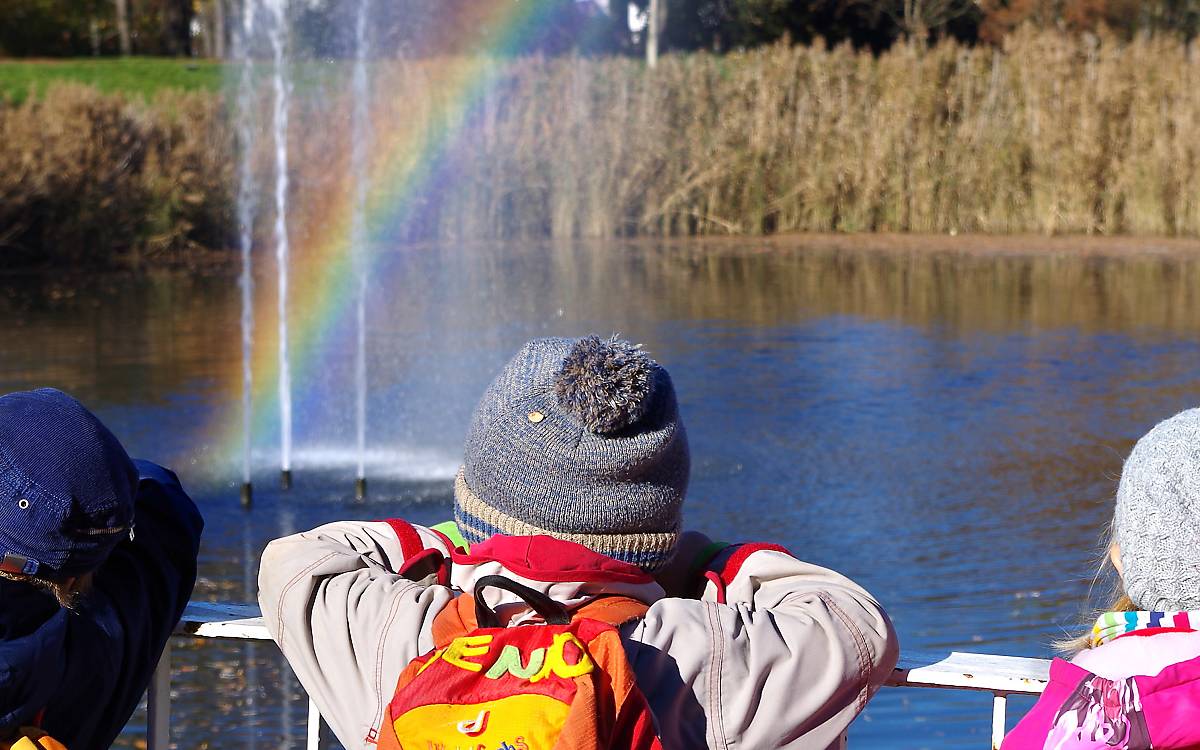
247	494
360	488
285	479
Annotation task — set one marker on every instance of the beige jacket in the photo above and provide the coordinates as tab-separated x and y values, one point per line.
775	653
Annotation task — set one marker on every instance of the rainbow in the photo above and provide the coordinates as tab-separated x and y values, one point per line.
405	165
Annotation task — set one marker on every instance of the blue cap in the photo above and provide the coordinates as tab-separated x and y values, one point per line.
66	486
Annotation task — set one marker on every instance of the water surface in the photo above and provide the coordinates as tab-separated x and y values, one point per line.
946	428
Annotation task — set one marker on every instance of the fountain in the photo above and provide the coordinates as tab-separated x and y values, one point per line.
264	34
246	206
360	137
281	84
253	13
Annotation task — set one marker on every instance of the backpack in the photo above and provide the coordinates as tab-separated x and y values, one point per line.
564	683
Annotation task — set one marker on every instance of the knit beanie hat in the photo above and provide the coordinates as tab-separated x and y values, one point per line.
579	439
1157	520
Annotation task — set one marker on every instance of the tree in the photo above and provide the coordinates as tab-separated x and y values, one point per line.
218	29
1125	17
918	19
720	25
122	9
55	28
175	27
451	27
656	19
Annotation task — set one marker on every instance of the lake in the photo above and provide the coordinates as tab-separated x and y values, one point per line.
942	420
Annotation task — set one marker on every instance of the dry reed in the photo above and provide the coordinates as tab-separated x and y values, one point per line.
1052	134
95	179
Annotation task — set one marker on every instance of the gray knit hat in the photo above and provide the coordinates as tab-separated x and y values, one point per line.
580	439
1157	520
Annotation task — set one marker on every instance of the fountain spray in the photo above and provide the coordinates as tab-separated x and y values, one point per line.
246	206
361	136
281	82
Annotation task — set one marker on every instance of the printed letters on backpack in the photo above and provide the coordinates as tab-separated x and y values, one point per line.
561	683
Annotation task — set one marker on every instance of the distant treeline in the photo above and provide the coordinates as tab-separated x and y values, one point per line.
1053	134
325	28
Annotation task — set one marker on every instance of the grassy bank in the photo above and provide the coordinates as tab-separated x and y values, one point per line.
141	76
1051	135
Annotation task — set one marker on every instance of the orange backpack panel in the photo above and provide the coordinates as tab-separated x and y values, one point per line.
31	738
562	685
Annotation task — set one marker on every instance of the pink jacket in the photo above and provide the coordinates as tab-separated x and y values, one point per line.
1137	692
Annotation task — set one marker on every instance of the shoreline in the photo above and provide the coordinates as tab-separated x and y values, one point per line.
227	262
964	244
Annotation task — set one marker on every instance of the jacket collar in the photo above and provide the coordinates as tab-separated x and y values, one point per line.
32	651
23	609
1112	625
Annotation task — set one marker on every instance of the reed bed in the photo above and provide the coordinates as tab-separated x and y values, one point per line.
1052	134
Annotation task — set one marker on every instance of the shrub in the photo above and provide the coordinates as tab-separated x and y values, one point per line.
93	178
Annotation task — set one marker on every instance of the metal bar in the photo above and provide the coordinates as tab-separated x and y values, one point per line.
314	726
999	708
1000	675
158	704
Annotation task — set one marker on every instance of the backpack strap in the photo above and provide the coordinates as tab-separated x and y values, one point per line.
458	617
549	610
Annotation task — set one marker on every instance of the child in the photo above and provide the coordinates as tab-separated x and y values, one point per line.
97	561
1135	681
574	474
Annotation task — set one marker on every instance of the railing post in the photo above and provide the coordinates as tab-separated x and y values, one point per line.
158	704
314	726
999	709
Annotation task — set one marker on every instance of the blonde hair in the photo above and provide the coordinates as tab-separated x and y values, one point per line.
67	593
1118	600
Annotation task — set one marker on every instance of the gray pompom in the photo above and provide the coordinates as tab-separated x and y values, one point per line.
608	385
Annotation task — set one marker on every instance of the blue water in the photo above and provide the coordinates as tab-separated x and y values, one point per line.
947	430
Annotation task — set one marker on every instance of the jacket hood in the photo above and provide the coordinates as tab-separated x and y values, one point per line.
568	573
32	645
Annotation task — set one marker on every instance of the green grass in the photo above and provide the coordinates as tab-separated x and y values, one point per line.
145	76
138	76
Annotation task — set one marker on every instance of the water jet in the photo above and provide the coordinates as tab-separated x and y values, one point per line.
360	137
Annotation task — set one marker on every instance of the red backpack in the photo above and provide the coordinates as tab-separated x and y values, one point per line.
562	684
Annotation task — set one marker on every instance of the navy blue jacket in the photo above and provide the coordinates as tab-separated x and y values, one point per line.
88	668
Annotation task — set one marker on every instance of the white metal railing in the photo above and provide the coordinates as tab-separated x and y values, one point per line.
1001	676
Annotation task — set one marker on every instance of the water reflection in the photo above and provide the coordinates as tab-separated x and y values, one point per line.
945	427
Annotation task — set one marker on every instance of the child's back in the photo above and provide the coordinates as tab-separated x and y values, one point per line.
1134	682
575	471
97	561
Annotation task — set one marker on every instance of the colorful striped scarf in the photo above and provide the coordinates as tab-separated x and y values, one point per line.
1111	625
